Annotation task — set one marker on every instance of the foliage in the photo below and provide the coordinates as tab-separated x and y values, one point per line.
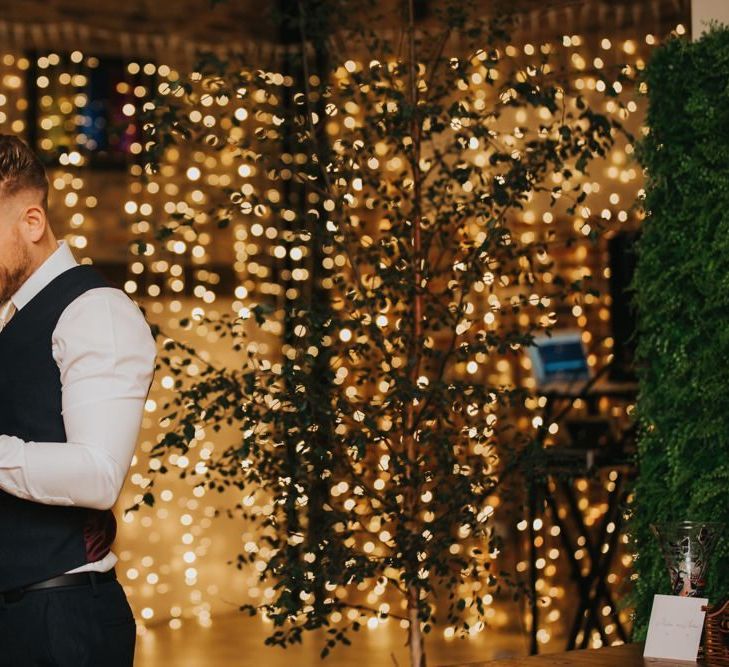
682	304
372	439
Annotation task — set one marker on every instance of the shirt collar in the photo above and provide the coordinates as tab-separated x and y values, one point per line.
59	261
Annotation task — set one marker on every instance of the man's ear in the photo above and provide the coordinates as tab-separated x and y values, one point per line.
34	222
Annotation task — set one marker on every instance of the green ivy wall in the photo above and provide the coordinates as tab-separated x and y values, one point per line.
681	291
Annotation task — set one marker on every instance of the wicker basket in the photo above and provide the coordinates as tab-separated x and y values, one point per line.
716	635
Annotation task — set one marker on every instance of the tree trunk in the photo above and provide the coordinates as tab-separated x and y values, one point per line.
416	642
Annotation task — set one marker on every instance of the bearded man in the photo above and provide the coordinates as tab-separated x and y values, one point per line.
76	362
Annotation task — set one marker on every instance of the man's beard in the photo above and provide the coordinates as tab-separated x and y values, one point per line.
12	279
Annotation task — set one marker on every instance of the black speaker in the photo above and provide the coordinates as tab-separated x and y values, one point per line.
622	258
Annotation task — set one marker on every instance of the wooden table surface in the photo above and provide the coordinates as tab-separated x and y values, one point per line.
627	655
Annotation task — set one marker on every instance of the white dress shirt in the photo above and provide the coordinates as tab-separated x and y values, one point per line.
105	353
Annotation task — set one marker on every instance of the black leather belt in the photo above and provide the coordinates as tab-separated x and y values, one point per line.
73	579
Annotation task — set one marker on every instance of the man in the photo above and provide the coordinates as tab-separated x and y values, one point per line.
76	364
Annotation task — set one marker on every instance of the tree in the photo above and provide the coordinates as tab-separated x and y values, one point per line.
378	437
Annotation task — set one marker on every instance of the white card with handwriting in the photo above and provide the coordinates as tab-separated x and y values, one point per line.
674	630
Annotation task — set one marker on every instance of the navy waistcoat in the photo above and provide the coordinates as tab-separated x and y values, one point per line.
37	540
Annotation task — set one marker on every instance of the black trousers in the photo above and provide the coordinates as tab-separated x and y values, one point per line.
90	625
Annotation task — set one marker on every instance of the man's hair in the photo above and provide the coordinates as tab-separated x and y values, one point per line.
20	169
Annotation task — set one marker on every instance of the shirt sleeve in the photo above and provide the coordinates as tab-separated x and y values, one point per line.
105	352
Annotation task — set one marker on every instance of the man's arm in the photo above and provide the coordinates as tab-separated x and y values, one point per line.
105	352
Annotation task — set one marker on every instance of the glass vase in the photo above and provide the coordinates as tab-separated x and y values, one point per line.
687	547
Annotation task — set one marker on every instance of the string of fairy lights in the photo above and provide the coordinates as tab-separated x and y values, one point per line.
173	556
